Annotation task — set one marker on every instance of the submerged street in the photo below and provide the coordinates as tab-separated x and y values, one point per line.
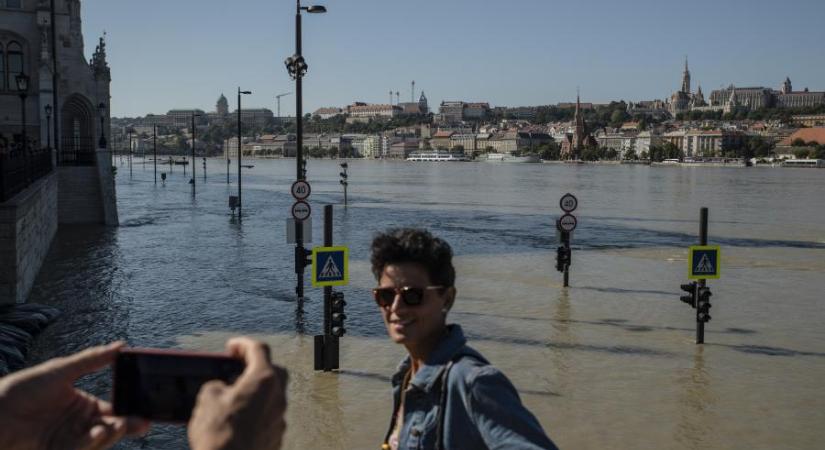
609	362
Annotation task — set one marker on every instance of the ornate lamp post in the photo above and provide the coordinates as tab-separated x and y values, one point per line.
22	81
48	109
297	68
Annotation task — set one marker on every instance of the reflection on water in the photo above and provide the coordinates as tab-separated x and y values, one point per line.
608	363
695	429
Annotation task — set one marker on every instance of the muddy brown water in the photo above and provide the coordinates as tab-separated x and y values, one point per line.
608	363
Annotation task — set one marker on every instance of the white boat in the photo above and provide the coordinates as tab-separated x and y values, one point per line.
506	157
815	163
436	156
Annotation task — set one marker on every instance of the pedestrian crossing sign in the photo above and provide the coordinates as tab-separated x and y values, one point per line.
703	262
330	266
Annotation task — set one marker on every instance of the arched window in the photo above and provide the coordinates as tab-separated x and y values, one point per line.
14	63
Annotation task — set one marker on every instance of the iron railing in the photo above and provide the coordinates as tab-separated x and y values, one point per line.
77	151
19	169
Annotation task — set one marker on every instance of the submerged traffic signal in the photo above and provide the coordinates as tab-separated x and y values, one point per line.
338	316
561	258
301	255
703	305
690	288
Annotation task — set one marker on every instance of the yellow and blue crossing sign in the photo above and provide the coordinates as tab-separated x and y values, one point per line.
330	266
704	261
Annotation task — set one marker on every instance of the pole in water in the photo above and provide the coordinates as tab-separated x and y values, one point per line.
566	237
703	240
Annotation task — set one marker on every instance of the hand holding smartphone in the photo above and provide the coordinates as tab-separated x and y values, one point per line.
163	385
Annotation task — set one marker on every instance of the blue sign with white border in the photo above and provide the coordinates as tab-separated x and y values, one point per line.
704	262
330	266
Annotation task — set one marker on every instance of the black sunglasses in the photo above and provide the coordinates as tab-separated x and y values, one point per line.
411	296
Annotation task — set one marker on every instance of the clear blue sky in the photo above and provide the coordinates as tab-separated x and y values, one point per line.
168	54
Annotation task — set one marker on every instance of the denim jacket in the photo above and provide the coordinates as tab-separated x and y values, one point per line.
483	409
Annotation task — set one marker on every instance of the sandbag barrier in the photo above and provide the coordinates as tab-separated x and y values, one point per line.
19	324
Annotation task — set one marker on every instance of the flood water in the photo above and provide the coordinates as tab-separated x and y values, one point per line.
608	363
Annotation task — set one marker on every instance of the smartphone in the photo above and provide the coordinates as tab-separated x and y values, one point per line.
162	385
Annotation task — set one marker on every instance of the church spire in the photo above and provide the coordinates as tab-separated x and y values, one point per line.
686	78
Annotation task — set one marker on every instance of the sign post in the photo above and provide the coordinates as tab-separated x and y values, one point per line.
565	226
704	262
301	211
330	267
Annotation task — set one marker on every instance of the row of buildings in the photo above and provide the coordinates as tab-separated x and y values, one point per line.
734	98
182	118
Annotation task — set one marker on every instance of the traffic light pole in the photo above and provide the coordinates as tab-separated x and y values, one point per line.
327	289
703	240
326	344
566	238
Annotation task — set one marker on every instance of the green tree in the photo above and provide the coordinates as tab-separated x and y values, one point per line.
759	147
802	153
618	117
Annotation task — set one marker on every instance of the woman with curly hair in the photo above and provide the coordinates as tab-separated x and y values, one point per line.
446	395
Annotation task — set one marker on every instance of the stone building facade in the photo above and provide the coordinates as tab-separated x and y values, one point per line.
51	54
65	113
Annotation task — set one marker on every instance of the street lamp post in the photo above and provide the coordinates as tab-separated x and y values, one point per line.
48	109
130	151
155	149
297	68
22	81
239	148
193	151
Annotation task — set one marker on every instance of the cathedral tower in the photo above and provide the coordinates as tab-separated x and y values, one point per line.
686	78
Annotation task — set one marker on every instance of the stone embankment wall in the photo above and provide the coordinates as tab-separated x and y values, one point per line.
28	224
87	194
80	198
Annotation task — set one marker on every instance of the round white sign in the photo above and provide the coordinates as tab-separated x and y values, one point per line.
301	210
568	203
301	190
567	223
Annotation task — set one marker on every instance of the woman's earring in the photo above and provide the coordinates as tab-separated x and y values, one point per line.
444	310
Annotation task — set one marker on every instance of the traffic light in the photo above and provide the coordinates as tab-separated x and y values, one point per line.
343	177
301	256
561	258
703	305
690	288
338	316
303	168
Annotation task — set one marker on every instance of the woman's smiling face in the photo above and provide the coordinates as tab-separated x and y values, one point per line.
413	324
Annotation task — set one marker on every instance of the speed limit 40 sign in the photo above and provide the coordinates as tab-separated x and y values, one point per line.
568	203
300	190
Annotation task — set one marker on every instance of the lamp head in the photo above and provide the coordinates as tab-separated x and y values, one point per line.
102	109
22	81
48	109
316	9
